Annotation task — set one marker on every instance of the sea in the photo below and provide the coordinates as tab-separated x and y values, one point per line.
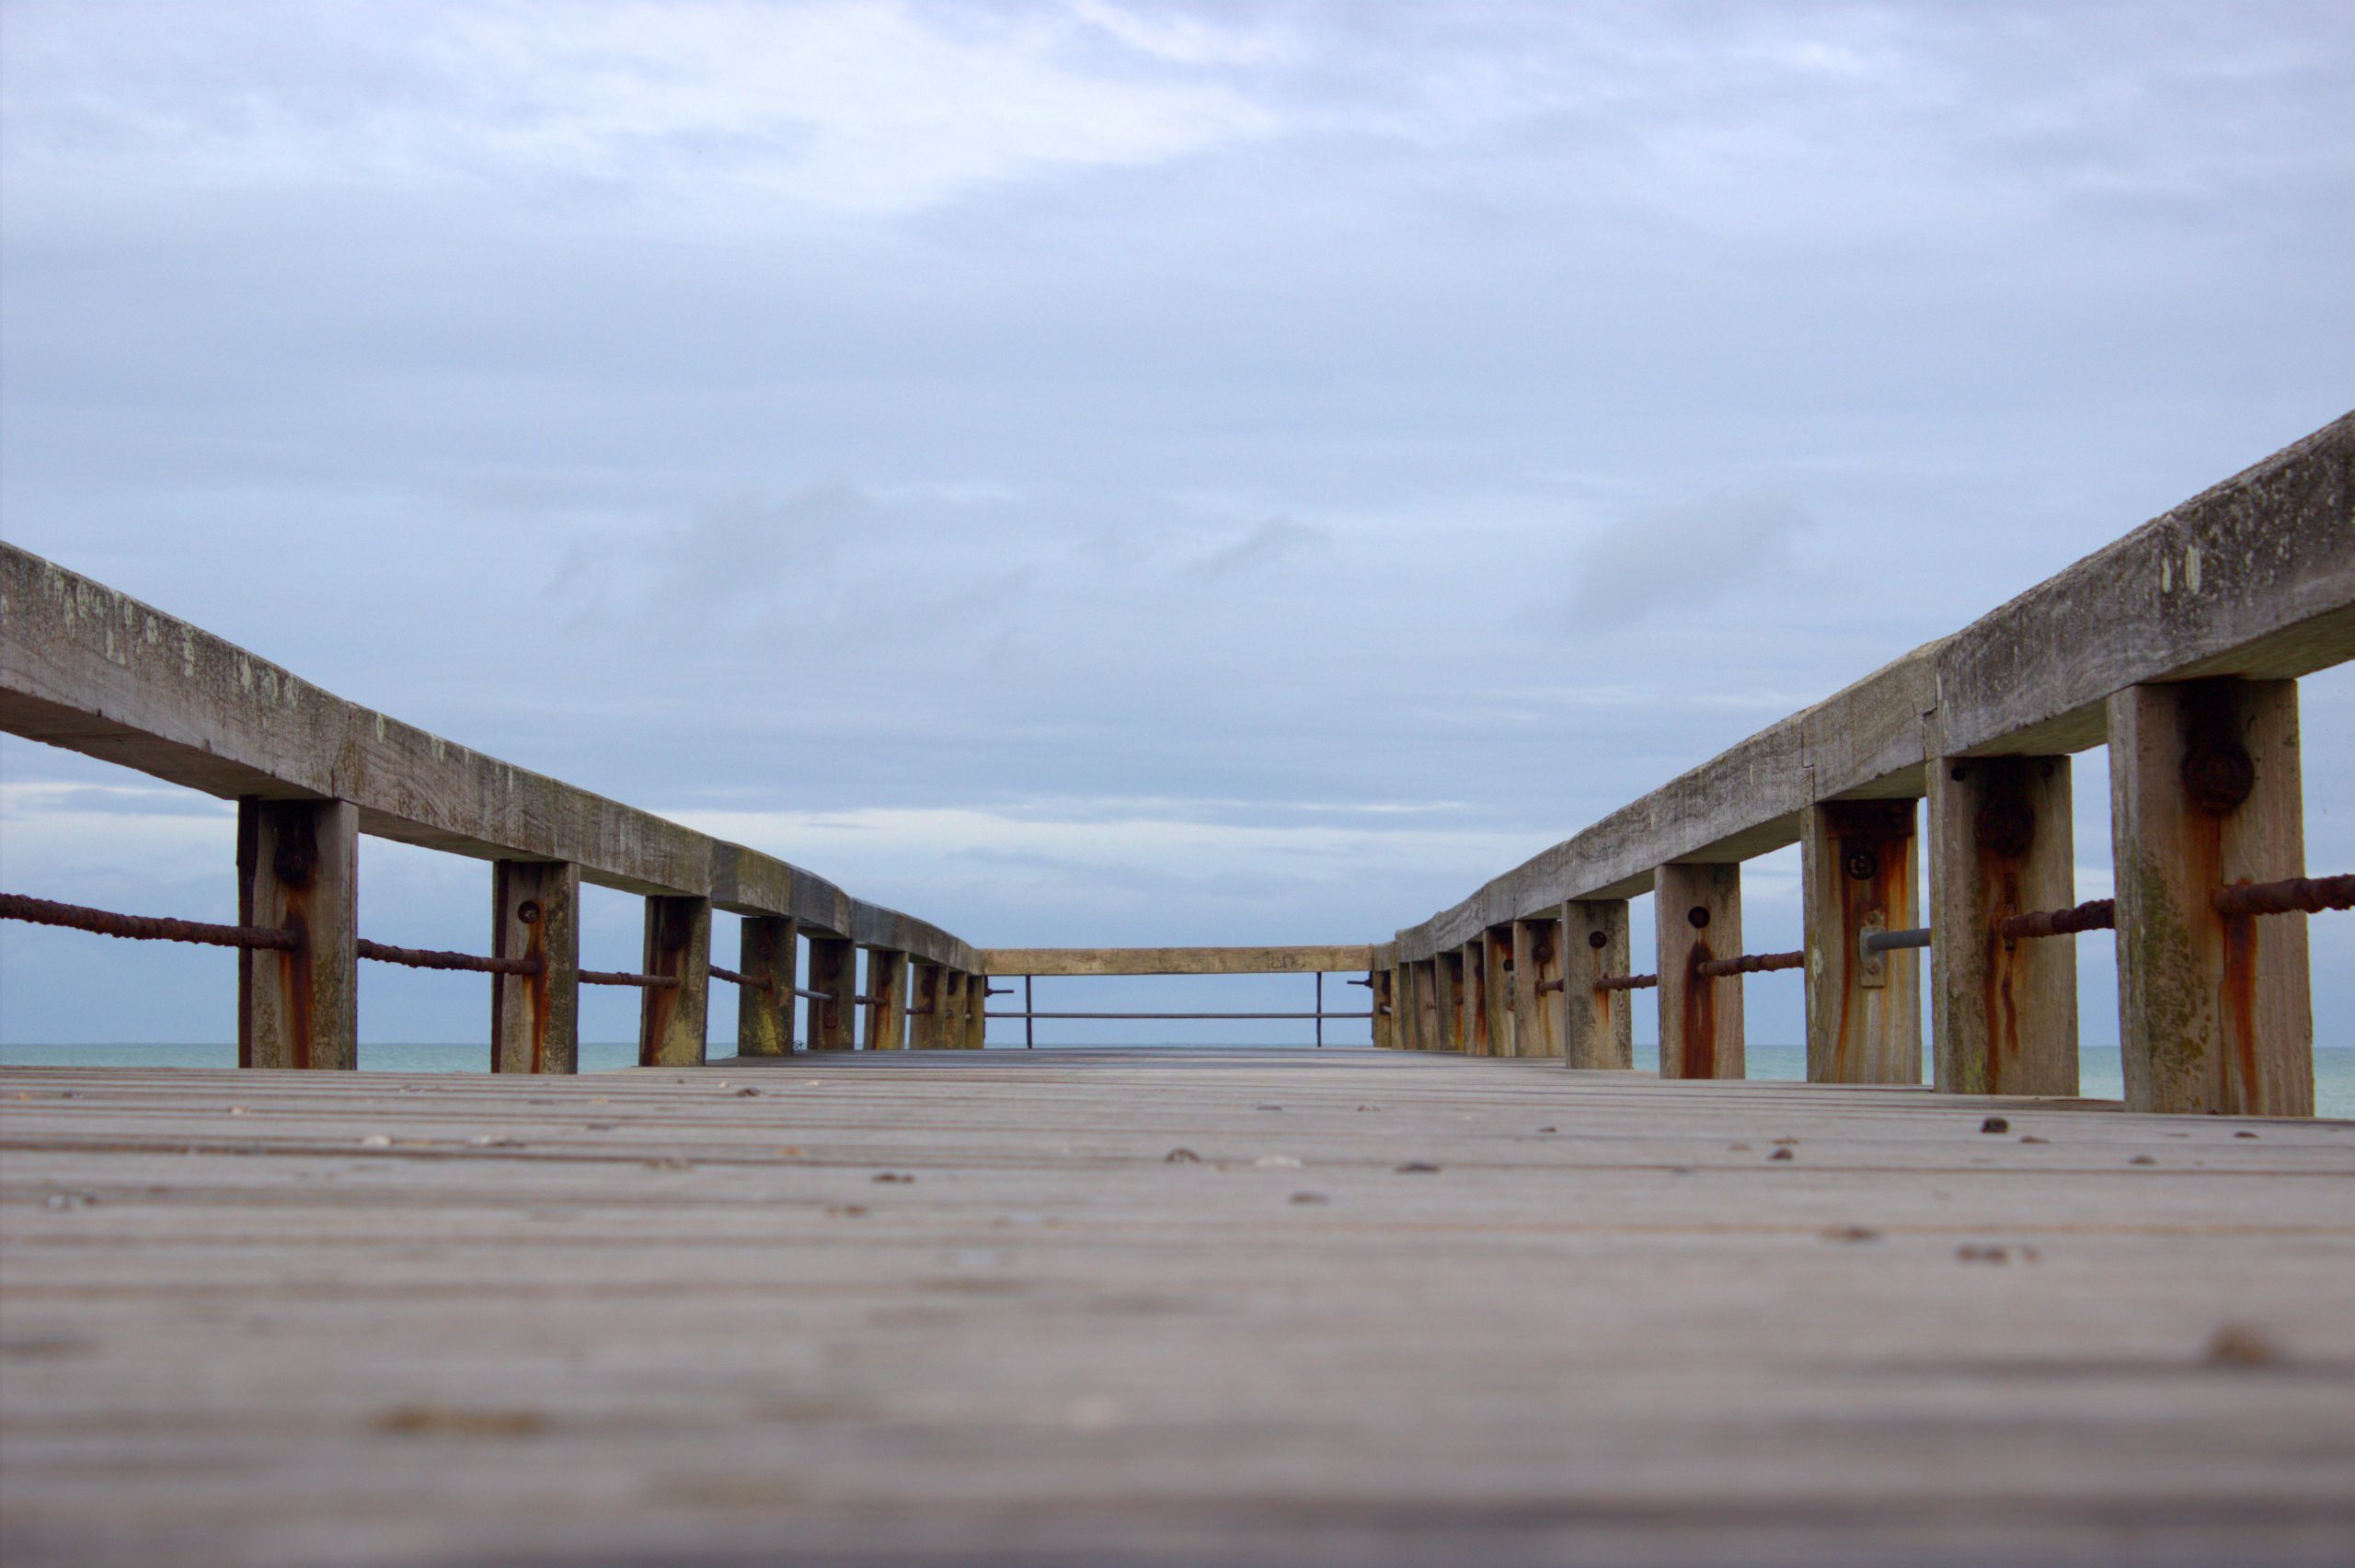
2098	1072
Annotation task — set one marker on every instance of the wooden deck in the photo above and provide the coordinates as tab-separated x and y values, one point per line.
973	1308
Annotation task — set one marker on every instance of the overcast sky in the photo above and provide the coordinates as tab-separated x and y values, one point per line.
1100	472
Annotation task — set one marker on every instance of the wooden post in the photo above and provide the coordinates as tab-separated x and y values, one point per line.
925	1000
2214	1013
1597	1027
536	1019
834	969
1383	994
1857	868
1698	912
1497	991
769	951
1472	998
887	1004
671	1019
1406	1000
950	1024
977	1006
1430	1026
1447	999
1537	1011
298	865
2004	1014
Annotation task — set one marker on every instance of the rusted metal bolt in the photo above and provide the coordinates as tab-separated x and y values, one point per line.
1697	918
530	912
2217	776
1863	865
2005	826
1597	941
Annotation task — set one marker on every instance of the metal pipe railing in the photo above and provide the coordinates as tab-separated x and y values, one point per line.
433	958
145	928
616	977
1749	964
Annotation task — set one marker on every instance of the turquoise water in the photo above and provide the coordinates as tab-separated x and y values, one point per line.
2098	1073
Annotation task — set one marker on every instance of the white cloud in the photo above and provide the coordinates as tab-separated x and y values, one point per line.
849	105
488	363
1171	33
1187	841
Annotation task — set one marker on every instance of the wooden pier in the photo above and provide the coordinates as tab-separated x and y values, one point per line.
2179	648
1119	1307
861	1293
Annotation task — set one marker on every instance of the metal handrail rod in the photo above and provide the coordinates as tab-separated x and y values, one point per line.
1187	1015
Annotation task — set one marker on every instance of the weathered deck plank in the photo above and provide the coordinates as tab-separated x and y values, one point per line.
271	1318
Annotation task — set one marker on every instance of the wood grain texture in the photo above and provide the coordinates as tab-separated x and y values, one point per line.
672	1019
1047	961
2004	1014
536	1019
834	969
947	1031
925	1015
1414	992
977	988
1447	1002
769	949
2214	1011
1503	993
1697	916
281	1319
298	865
1537	1026
1472	1000
886	1023
1597	1027
1858	865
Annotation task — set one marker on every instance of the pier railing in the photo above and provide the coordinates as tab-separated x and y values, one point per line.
95	672
2179	647
1030	964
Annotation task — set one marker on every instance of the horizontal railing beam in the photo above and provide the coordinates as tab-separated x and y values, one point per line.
1047	961
1183	1015
2254	578
97	671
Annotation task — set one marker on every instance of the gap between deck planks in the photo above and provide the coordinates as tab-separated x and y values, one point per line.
265	1318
